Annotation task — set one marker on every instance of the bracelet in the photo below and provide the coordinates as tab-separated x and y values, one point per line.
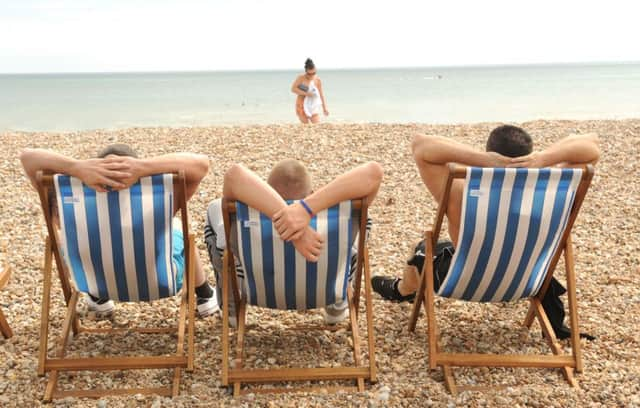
306	207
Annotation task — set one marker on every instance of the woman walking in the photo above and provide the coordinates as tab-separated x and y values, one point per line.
310	100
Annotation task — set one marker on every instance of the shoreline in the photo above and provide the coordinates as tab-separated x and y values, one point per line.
606	240
327	124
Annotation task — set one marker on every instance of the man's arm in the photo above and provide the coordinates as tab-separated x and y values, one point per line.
195	167
574	150
363	181
243	185
96	173
432	153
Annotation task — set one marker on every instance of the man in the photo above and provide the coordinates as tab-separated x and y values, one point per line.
289	180
507	146
118	167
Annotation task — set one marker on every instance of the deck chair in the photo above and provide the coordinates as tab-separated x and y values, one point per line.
118	245
515	225
278	277
5	274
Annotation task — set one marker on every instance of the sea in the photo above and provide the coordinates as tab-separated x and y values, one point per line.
82	101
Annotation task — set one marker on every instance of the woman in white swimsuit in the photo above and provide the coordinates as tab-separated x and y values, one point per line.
310	101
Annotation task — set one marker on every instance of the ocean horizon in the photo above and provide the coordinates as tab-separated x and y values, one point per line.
443	95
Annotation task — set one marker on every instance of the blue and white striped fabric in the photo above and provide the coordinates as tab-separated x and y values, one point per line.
512	222
278	277
117	244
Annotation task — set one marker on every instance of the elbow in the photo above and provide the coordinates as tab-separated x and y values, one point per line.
595	139
25	156
201	165
420	146
233	174
28	160
596	154
375	174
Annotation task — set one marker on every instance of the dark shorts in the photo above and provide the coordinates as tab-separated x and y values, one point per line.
441	260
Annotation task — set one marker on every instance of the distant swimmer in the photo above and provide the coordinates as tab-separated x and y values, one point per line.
310	101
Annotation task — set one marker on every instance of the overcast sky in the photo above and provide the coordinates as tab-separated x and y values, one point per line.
168	35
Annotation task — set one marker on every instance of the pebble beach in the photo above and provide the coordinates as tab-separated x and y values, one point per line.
606	240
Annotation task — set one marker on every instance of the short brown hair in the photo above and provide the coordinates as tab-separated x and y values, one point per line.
510	141
290	179
117	149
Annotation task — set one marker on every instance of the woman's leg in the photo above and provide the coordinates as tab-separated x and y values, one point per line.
315	118
300	112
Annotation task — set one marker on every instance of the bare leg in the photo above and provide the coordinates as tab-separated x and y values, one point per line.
200	275
315	118
410	281
303	119
300	112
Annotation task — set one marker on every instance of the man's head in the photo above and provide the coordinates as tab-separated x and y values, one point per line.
117	149
510	141
290	179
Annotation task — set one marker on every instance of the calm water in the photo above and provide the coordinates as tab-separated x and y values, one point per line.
429	95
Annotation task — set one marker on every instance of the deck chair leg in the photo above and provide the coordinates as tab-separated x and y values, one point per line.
62	346
242	319
355	337
191	304
357	285
369	312
177	372
531	315
4	326
427	273
552	340
46	303
417	304
573	305
449	380
225	318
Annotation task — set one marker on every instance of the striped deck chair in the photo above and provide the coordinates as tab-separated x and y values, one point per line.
5	274
118	245
515	225
278	277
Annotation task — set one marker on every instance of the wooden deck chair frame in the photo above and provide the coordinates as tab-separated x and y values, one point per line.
186	316
5	274
238	375
425	296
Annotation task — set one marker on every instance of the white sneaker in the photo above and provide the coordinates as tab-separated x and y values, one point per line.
207	306
101	307
334	314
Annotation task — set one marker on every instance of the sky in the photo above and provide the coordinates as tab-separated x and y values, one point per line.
173	35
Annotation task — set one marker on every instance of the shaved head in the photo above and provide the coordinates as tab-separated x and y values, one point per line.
290	179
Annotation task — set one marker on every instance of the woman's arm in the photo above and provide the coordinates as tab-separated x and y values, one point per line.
363	181
324	102
296	90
